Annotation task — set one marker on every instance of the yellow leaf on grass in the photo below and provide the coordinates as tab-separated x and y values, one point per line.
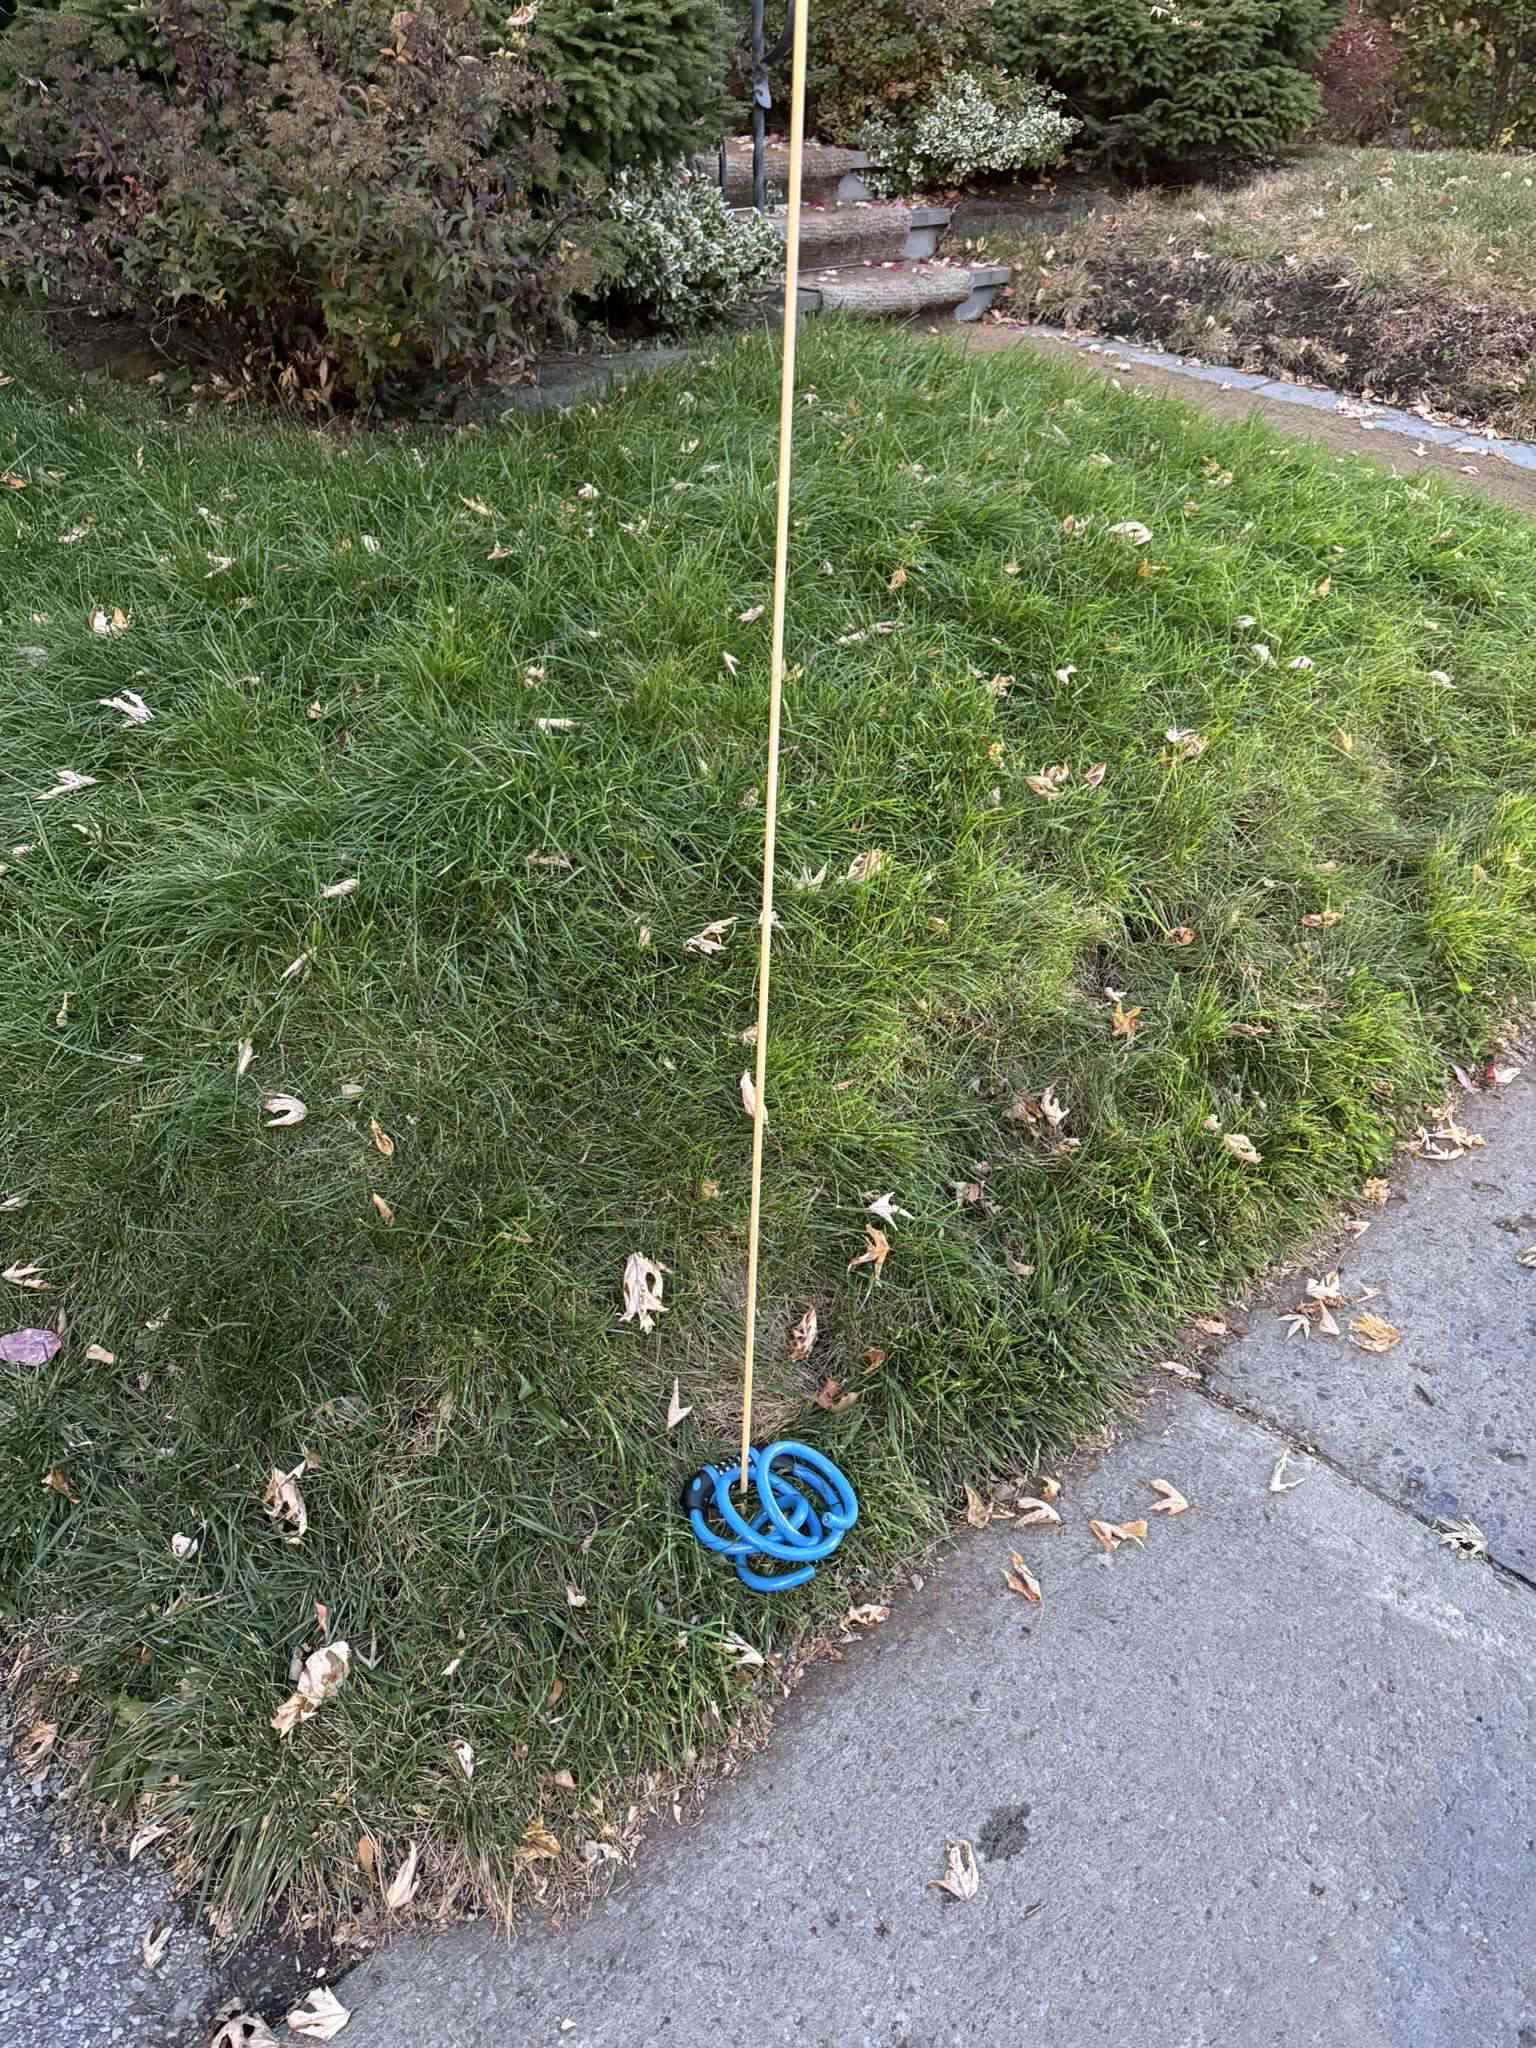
1122	1023
877	1249
537	1842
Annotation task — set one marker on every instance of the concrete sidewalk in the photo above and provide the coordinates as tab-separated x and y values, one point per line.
1268	1781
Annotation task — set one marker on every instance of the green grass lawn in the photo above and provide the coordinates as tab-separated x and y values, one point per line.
360	655
1407	273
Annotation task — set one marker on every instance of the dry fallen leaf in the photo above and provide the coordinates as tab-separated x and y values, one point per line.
465	1756
1122	1023
1133	531
642	1291
574	1597
1241	1146
382	1141
1527	1257
865	866
1021	1580
156	1940
751	615
537	1842
98	1354
1093	776
1278	1483
978	1512
1370	1333
1321	920
1181	935
26	1276
107	625
550	860
57	1481
382	1210
676	1412
712	938
898	578
284	1111
886	1207
284	1503
802	1338
243	2030
346	887
33	1748
869	1616
402	1886
961	1878
748	1090
1176	1369
321	2017
1032	1513
830	1395
244	1054
183	1547
478	506
1050	782
1172	1502
1187	744
143	1839
877	1249
1050	1489
295	967
322	1674
1466	1539
68	781
135	711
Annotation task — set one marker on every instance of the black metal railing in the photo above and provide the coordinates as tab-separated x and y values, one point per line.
764	62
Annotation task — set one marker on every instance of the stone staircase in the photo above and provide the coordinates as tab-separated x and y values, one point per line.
873	258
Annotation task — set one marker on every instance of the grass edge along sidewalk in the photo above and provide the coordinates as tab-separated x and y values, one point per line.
1156	828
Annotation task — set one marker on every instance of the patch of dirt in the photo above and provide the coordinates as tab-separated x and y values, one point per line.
1501	481
1471	361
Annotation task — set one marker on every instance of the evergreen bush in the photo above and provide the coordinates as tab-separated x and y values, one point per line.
1167	81
871	58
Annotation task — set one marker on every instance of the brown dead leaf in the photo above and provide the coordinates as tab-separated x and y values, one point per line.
57	1481
1176	1369
382	1210
978	1512
33	1748
26	1276
643	1285
865	866
1241	1146
869	1616
898	579
367	1854
1187	745
1050	1489
243	2030
1050	782
382	1142
1122	1023
748	1089
961	1878
1172	1502
479	507
283	1111
1370	1333
830	1395
536	1844
1021	1580
155	1941
1321	920
877	1249
1181	935
802	1339
284	1503
1093	776
322	2015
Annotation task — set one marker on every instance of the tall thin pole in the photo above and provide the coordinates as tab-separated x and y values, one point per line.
775	703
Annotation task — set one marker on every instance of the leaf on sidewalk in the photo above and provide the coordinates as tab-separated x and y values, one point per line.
1034	1513
154	1943
1278	1483
1021	1580
1465	1539
321	2017
961	1878
1172	1502
1370	1333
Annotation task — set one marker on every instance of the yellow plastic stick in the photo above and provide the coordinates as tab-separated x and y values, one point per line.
775	701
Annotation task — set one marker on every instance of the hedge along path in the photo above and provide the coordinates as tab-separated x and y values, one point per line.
775	709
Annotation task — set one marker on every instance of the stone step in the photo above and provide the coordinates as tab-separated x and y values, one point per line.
903	290
868	231
828	174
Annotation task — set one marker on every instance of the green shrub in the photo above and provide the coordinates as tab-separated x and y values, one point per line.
1468	72
1154	84
354	207
972	123
639	81
869	58
678	253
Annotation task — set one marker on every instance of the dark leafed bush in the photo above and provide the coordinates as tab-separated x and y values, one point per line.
870	58
1468	71
639	81
356	196
1166	81
1356	74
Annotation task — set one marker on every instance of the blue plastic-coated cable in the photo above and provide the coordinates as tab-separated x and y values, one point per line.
806	1508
